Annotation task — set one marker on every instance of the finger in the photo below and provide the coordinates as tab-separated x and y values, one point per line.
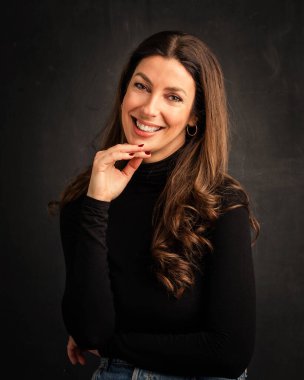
72	341
72	355
114	156
94	352
131	166
126	148
80	357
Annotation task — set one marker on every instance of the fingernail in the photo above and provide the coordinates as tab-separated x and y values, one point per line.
147	152
141	145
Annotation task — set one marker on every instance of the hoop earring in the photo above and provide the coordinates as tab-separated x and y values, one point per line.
193	127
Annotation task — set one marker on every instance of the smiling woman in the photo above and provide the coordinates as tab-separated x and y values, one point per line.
155	232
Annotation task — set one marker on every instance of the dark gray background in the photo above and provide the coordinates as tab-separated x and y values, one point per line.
61	65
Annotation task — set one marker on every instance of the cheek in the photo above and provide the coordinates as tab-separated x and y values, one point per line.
176	117
125	109
135	99
130	101
124	112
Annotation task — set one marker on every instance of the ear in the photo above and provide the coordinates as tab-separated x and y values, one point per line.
192	120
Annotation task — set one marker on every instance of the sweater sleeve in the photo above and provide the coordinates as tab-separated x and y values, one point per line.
87	303
225	347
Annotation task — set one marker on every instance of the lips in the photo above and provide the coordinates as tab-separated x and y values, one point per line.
146	123
141	133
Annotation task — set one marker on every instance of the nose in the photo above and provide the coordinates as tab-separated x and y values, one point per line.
151	107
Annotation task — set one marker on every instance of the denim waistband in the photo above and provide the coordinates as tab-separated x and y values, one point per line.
106	362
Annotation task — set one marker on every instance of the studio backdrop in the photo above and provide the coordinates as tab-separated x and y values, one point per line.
62	60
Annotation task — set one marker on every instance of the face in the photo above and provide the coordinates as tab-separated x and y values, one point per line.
160	94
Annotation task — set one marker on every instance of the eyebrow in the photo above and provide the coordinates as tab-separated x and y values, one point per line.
144	76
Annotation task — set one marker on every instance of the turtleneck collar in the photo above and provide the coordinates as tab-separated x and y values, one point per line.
157	172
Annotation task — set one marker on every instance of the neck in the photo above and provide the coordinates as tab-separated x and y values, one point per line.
155	155
157	172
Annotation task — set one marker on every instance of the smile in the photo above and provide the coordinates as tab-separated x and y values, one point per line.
145	128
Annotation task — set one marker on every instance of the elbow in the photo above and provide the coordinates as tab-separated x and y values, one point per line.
235	360
90	331
232	367
91	339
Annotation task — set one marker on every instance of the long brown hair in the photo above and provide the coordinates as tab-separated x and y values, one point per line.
198	189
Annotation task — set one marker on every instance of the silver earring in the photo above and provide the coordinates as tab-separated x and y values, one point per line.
192	127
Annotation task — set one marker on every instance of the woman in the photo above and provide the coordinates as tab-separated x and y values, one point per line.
156	233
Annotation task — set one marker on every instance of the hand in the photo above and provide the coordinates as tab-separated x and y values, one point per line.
107	182
75	354
95	352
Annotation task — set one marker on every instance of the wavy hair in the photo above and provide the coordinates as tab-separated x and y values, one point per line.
199	188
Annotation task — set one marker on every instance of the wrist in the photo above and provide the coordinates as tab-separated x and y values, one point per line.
99	197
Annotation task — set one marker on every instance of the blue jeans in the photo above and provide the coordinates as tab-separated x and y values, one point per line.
118	369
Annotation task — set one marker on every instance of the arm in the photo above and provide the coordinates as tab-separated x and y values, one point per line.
87	304
226	345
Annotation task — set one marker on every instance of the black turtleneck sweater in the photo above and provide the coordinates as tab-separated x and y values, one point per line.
112	301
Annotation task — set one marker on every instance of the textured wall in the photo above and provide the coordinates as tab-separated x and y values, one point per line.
62	60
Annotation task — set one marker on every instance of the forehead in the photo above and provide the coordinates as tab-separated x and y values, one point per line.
167	72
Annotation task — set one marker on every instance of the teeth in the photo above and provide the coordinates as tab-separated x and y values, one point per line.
146	128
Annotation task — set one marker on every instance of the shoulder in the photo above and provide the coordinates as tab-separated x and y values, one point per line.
231	194
234	219
231	232
70	210
233	216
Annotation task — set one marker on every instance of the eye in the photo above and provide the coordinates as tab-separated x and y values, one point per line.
140	86
175	98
